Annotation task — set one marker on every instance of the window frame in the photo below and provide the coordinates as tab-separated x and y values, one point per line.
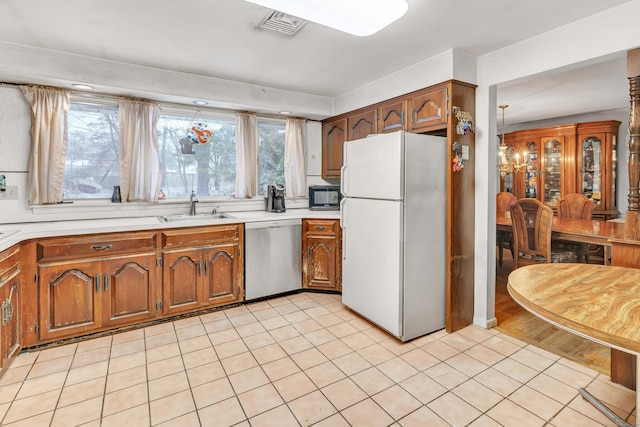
183	110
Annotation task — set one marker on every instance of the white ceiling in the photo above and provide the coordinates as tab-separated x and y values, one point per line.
219	38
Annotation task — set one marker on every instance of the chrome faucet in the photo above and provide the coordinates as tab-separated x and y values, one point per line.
214	211
193	199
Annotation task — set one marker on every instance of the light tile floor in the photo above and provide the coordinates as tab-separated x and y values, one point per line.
297	361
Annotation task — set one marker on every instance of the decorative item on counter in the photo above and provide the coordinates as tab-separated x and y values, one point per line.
161	195
458	163
116	197
465	124
3	183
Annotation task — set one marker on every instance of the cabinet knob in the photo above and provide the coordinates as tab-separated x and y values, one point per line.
320	227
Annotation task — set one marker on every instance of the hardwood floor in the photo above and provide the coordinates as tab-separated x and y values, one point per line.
516	321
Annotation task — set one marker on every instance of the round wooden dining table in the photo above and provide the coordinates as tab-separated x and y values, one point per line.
597	302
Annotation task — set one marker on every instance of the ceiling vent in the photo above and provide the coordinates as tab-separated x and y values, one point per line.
281	22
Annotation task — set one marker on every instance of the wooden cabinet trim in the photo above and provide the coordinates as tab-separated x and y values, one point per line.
94	245
200	236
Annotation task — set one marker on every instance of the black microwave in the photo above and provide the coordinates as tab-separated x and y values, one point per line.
324	197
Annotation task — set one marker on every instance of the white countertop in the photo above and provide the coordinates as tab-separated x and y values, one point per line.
11	234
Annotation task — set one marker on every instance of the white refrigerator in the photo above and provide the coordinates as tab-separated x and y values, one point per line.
393	219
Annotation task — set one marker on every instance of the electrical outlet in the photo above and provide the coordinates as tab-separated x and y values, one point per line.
465	152
11	193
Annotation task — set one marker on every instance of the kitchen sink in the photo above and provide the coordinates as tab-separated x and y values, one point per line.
197	217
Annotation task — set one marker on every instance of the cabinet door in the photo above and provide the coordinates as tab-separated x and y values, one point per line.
222	275
320	268
10	333
182	273
69	298
530	185
128	289
392	116
361	125
553	157
428	110
334	134
593	176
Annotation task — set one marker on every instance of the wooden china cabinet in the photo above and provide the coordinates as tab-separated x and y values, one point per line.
573	158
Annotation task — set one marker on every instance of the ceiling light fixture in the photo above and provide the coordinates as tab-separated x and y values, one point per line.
201	102
518	162
82	86
285	112
357	17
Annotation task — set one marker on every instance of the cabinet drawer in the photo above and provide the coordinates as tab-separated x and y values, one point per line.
9	261
200	236
95	245
321	227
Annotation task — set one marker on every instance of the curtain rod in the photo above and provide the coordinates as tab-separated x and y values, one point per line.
86	96
5	84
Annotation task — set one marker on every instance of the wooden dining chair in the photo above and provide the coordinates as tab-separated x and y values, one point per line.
575	206
504	239
532	221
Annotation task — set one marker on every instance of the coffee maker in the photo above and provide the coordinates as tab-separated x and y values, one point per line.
274	198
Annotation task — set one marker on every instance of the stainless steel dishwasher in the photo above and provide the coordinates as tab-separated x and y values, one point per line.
272	257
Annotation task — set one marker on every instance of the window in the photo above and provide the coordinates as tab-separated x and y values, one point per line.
270	153
92	165
210	171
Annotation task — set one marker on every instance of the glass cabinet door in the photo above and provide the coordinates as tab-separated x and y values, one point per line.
532	172
552	171
614	162
592	168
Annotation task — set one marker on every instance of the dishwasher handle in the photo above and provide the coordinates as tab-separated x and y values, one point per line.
280	223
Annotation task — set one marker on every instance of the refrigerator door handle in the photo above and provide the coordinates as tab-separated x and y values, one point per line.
343	225
343	180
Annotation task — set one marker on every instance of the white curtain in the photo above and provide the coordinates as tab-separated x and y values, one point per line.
246	155
49	108
295	158
140	177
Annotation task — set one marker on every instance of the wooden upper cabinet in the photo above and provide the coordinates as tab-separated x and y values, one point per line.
361	125
334	134
392	116
428	109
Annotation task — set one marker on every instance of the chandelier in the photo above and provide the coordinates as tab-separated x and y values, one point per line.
518	162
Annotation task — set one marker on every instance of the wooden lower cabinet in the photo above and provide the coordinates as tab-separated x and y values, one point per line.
322	255
201	278
83	296
10	285
203	268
